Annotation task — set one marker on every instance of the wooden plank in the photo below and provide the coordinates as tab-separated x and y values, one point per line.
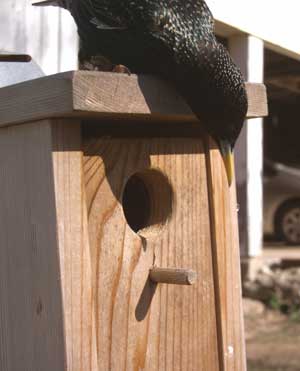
226	261
288	83
257	100
45	267
31	307
99	94
140	325
73	247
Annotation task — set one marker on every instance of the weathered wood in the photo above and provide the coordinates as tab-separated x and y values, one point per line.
174	276
226	263
257	100
90	94
140	325
78	263
45	267
73	247
288	83
31	306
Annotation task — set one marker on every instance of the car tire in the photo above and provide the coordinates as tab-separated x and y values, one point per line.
287	222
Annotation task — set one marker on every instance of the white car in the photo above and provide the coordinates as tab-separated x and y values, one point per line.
282	202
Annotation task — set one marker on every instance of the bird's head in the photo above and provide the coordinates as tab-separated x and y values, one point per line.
66	4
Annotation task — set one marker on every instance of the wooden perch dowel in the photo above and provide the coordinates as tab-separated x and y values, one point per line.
173	276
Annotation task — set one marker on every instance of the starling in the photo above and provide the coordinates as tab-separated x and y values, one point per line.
173	39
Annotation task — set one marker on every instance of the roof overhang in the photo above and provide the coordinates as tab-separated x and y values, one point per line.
275	22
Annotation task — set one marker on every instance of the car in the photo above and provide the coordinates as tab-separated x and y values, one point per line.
281	205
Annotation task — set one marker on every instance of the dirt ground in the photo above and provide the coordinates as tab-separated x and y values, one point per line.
273	342
273	339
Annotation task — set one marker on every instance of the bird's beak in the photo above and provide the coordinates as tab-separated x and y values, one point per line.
228	159
47	3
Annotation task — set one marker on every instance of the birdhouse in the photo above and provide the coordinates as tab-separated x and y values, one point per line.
118	230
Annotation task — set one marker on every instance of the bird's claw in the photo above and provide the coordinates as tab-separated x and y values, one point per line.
119	68
100	63
96	63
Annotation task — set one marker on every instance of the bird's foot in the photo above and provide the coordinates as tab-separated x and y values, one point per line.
100	63
96	63
119	68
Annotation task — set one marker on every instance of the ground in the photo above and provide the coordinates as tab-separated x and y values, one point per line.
273	339
272	342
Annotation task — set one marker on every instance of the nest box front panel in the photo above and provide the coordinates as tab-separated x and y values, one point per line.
147	203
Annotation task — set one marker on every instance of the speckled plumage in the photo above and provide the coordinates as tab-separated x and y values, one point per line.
171	38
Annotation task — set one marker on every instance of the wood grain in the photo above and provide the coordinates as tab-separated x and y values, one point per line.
97	94
257	100
31	306
73	247
140	325
226	262
46	317
75	292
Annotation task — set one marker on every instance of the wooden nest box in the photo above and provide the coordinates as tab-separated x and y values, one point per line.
118	234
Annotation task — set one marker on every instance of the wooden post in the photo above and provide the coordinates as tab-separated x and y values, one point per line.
248	52
97	187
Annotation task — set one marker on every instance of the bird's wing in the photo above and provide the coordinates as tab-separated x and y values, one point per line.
108	15
192	13
104	16
104	25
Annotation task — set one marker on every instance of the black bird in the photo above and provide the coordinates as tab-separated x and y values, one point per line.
175	40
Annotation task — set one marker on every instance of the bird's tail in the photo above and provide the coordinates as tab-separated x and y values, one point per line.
227	155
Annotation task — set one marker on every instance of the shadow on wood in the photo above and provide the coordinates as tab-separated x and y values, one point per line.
144	303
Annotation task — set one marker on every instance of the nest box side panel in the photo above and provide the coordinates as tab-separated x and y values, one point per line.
73	246
31	308
139	324
226	262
